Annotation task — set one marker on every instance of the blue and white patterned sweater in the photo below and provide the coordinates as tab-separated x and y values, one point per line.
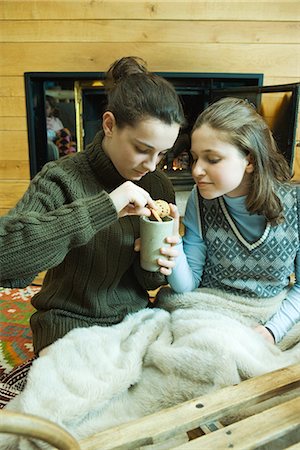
227	248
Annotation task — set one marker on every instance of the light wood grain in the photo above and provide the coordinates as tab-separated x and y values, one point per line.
13	123
14	145
4	211
14	170
274	80
39	428
261	429
179	10
94	57
187	416
296	165
10	192
296	162
87	35
272	102
12	107
150	31
11	86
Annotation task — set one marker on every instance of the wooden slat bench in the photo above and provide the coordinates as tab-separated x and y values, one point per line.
260	413
256	412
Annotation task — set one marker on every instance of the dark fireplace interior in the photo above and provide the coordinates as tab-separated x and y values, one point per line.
80	100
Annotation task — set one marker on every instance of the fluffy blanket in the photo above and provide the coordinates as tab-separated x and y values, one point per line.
191	344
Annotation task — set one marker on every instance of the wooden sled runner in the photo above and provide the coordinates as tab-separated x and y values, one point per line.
262	412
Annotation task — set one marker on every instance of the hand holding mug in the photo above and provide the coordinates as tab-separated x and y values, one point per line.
157	242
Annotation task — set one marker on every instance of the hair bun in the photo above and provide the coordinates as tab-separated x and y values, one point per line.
124	67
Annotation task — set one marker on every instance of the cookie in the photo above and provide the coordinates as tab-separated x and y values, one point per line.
163	210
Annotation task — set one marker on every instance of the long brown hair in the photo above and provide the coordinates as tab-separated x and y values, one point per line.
244	128
135	94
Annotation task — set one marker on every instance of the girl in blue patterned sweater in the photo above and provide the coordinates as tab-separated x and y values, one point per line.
242	217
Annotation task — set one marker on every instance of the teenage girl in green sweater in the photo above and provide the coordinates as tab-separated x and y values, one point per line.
79	217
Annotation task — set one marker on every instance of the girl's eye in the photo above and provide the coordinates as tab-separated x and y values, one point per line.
214	161
139	150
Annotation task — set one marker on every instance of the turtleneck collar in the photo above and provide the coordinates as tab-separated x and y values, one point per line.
102	165
237	204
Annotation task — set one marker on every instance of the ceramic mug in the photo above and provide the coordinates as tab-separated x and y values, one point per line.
153	235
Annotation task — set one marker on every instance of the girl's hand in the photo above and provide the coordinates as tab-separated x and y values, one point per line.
265	333
130	199
170	252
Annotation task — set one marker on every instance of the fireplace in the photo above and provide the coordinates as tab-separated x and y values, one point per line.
81	99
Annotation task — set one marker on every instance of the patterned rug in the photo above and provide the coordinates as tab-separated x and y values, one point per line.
15	334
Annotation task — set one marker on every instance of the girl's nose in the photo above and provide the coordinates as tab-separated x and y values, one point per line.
198	170
151	163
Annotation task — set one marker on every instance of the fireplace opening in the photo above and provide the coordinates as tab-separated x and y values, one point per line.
80	99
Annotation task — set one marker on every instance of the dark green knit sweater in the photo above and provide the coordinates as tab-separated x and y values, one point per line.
67	223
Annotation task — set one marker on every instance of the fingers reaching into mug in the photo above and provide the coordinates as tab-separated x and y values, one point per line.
130	199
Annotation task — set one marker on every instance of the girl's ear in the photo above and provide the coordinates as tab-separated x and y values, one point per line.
250	165
108	123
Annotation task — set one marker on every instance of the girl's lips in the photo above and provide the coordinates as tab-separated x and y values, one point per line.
141	174
203	183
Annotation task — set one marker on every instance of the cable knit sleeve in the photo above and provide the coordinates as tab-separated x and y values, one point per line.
46	223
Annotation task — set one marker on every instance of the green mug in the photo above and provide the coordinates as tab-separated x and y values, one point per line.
153	235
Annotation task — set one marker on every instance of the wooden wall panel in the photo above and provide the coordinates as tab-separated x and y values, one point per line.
11	191
273	102
14	170
87	35
12	107
11	86
13	123
182	57
4	211
273	80
13	145
150	31
150	10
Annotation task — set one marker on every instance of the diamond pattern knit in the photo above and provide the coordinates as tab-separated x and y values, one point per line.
257	269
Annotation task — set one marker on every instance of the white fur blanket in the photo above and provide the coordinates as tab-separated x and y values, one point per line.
95	378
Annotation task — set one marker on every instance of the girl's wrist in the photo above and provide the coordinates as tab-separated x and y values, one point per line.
179	241
271	333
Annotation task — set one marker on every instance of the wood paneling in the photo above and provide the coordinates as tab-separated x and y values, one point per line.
12	106
273	102
14	170
88	35
13	123
273	80
4	211
13	145
11	192
150	10
150	31
11	86
182	57
296	166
